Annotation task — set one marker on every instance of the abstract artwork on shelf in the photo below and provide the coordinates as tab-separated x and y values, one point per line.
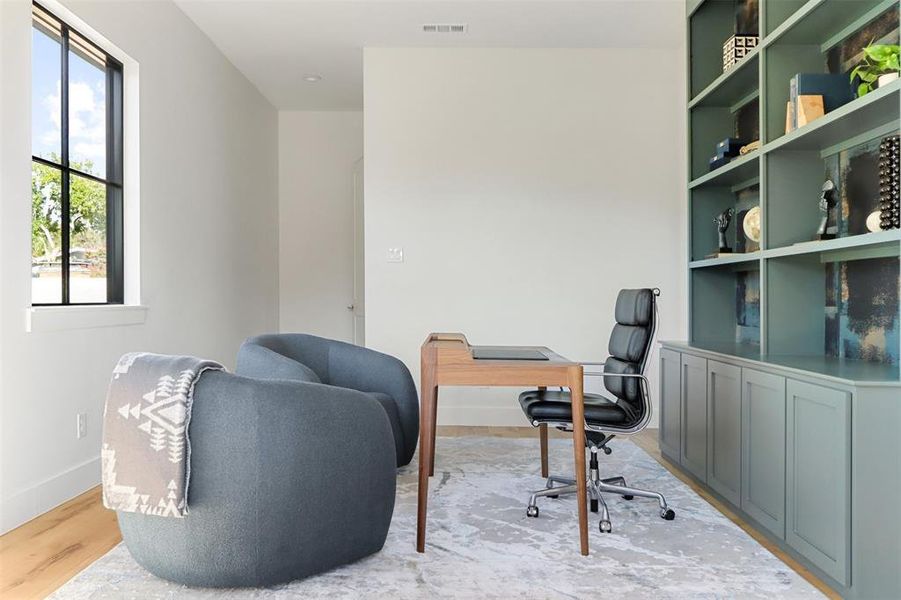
862	310
855	172
843	57
747	121
747	17
747	307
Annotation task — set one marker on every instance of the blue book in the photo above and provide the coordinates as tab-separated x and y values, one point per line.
835	88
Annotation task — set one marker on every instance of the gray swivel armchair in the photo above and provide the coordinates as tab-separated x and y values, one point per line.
626	411
303	357
276	493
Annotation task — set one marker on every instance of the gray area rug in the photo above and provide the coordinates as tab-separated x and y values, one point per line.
480	543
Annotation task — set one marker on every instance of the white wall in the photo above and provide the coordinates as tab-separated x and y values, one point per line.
526	186
209	255
317	152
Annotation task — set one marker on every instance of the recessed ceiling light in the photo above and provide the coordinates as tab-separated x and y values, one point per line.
312	78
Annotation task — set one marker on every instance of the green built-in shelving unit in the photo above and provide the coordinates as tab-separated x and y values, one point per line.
831	306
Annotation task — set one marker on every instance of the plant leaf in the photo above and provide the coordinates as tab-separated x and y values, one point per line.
862	90
877	52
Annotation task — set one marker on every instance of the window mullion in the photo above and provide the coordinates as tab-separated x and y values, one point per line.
64	151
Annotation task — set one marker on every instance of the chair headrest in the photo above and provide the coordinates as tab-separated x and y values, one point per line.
635	307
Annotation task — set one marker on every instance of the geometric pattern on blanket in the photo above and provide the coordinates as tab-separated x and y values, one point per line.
145	428
165	409
127	497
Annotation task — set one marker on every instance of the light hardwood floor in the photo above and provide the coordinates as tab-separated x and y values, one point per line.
41	555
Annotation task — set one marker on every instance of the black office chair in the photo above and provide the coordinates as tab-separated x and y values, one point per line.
627	412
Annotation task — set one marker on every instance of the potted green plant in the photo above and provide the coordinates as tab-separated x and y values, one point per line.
879	67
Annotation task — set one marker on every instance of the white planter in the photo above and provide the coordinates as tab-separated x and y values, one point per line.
887	78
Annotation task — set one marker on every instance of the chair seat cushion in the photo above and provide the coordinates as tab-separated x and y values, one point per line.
390	407
556	406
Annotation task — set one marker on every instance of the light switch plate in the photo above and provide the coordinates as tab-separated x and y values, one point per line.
395	255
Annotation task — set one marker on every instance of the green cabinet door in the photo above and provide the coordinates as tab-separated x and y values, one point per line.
724	429
694	415
670	404
818	494
763	449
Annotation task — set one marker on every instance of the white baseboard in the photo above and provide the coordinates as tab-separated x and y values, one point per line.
29	503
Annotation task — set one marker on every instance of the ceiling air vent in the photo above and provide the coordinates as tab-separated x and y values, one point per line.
445	28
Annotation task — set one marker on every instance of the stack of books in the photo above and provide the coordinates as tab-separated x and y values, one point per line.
812	95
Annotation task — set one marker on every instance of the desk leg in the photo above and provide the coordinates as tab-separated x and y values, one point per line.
578	405
428	401
434	430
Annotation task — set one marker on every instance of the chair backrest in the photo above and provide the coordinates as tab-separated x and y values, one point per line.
630	346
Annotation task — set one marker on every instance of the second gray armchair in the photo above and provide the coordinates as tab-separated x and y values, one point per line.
302	357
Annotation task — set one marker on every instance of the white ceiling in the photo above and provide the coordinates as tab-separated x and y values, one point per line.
276	42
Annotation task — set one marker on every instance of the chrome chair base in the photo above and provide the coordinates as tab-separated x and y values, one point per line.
557	486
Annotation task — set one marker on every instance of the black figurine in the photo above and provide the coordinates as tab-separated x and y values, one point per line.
827	203
722	221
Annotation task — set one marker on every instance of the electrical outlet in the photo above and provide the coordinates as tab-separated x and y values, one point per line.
81	425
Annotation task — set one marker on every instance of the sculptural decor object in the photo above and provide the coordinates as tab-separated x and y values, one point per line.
827	204
751	224
722	221
890	182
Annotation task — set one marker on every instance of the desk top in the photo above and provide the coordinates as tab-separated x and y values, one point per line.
454	348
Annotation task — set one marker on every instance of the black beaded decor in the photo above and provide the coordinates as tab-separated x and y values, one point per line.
889	183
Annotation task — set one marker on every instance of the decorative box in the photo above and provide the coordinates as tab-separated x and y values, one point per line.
730	147
736	48
718	161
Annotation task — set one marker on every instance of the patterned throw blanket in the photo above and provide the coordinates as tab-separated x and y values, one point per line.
146	452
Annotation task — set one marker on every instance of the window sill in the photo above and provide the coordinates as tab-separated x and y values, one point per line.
41	319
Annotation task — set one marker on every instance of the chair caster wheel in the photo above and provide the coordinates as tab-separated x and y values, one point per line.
605	527
607	450
532	511
668	514
628	497
593	505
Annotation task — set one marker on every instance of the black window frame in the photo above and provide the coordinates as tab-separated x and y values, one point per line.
113	180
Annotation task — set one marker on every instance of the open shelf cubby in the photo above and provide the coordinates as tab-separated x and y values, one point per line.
744	233
784	295
726	306
839	306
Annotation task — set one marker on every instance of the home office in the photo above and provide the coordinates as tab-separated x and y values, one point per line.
450	299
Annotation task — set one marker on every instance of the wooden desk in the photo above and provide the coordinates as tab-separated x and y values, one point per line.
447	360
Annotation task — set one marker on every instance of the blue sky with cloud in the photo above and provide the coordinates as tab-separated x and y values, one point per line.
87	105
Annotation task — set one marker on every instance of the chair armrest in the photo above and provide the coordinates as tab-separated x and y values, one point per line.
367	370
608	374
628	375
